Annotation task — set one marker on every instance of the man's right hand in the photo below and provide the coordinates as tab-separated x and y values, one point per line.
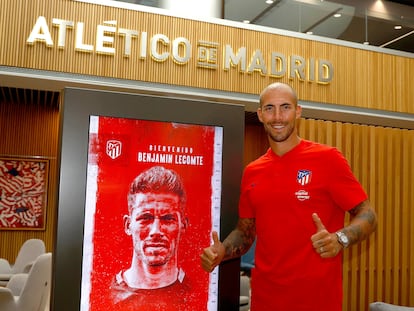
212	255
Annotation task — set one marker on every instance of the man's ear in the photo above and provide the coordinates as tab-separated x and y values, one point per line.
259	114
298	112
127	222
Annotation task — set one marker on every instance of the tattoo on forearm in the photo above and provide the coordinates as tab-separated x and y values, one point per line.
240	239
363	222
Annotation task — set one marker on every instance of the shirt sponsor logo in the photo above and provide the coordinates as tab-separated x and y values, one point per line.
302	195
304	177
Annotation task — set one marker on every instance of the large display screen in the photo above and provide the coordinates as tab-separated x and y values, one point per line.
153	192
143	182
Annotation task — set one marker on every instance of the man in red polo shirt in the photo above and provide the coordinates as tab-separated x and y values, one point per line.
293	201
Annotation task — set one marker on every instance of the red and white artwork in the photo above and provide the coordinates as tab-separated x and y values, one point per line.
23	193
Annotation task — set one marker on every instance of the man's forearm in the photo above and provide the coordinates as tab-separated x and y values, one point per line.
363	223
240	239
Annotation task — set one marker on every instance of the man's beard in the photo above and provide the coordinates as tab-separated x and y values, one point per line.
278	138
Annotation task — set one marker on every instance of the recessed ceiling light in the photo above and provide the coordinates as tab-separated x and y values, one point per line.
337	15
397	27
269	1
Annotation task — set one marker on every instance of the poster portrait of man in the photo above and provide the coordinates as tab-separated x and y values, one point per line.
156	221
153	190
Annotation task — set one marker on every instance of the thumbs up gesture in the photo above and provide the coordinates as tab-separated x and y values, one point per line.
212	255
325	243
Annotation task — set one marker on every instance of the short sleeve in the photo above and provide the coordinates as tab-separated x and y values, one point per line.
246	209
344	188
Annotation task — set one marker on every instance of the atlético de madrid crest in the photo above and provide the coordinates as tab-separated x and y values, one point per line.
304	177
113	148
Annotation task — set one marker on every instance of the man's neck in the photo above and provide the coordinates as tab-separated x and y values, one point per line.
147	277
281	148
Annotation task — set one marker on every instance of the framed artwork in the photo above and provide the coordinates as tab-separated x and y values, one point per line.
23	193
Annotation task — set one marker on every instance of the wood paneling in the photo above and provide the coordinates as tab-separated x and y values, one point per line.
361	77
29	124
381	268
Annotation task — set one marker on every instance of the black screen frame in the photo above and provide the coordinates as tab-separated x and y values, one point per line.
77	107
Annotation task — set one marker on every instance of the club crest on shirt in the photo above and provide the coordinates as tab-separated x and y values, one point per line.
304	177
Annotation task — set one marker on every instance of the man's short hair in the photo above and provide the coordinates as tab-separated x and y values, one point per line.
278	85
158	179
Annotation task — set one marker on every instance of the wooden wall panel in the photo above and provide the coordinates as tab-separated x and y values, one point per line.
30	128
361	78
381	268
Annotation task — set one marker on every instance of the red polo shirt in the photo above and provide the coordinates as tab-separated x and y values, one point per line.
281	193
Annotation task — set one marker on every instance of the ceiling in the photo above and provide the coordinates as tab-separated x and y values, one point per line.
368	21
29	97
362	21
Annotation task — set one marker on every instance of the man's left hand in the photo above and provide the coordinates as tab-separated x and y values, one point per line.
325	243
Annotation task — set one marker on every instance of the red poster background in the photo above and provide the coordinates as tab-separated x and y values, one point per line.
112	248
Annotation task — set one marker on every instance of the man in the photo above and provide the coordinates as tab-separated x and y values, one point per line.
156	222
294	199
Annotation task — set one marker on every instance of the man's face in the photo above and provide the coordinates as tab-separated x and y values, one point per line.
155	225
278	114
